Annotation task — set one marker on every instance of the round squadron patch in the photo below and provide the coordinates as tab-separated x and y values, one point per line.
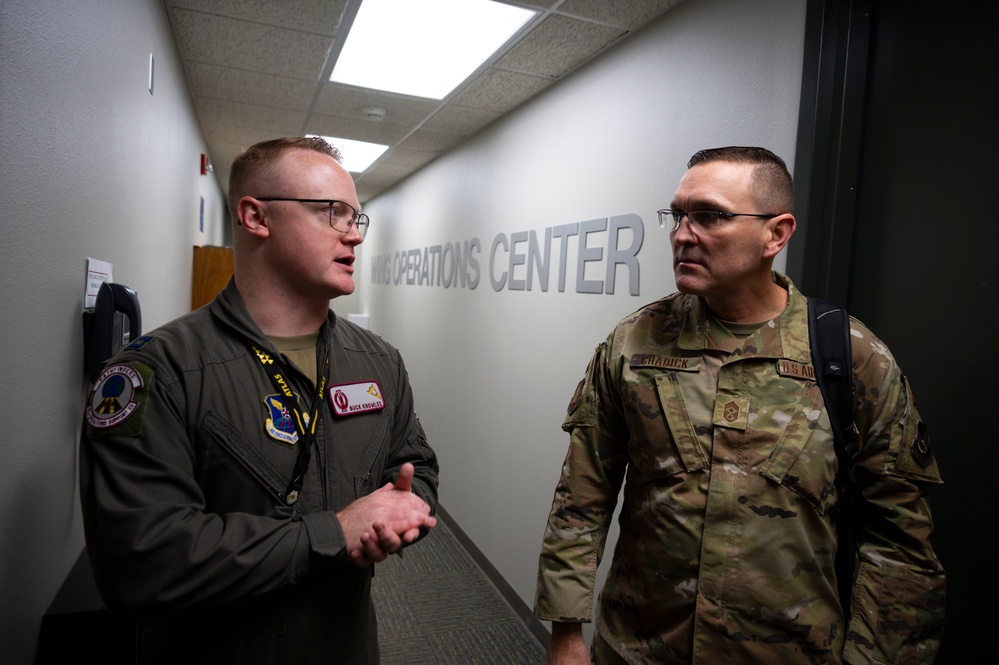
112	400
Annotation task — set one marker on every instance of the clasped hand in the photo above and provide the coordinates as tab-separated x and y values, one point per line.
385	521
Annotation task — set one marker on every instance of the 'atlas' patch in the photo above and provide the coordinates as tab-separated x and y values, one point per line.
280	425
112	400
352	398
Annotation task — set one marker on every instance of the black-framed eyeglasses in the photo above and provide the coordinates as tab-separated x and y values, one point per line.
343	216
700	220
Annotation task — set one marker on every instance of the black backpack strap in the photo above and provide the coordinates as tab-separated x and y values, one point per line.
829	335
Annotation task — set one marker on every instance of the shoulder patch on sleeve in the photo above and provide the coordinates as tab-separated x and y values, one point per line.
578	410
914	454
920	448
581	407
118	399
916	459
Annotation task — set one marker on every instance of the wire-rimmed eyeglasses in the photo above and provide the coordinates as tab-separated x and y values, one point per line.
343	216
700	220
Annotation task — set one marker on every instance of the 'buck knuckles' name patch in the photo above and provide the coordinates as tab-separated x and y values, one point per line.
352	398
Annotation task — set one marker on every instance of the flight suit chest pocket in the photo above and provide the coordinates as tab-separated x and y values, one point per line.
226	456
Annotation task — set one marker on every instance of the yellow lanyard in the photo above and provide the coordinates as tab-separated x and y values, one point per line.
305	426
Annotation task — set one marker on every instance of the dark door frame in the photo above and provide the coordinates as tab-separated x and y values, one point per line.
828	153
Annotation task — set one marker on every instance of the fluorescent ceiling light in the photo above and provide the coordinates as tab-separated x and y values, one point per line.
423	48
357	155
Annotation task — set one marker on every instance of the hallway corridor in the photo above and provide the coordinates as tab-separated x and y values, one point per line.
436	607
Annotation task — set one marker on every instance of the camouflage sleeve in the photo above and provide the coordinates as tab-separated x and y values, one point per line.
898	596
585	497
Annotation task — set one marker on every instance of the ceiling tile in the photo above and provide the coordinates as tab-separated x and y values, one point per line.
254	69
244	136
219	114
409	159
239	44
353	128
319	16
499	90
424	140
350	102
558	45
239	85
625	14
460	120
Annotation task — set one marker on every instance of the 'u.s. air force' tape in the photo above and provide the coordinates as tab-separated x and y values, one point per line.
350	398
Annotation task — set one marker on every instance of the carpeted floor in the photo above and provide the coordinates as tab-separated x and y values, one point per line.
436	607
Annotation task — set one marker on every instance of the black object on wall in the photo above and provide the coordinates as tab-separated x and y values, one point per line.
115	319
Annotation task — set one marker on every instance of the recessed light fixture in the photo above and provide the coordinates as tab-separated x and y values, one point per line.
357	155
425	48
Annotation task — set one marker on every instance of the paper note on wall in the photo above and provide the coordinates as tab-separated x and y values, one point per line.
98	272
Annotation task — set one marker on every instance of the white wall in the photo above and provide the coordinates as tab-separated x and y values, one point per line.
493	370
91	165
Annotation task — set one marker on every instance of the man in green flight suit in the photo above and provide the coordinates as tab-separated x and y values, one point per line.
704	406
243	466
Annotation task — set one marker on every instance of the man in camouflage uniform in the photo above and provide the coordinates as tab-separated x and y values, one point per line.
704	405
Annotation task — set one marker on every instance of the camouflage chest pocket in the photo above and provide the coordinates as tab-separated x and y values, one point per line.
804	457
663	441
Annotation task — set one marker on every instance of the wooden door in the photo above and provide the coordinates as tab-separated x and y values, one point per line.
212	270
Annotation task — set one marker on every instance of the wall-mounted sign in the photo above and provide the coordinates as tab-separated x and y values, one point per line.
526	260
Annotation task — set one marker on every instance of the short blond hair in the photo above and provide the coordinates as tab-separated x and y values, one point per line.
261	157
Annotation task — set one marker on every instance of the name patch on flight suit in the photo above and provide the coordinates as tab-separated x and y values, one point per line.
352	398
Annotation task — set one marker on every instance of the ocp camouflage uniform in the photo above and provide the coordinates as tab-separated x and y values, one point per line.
728	526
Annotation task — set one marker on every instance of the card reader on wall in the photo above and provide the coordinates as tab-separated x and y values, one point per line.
114	320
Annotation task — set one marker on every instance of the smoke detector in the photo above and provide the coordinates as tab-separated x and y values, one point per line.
373	113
